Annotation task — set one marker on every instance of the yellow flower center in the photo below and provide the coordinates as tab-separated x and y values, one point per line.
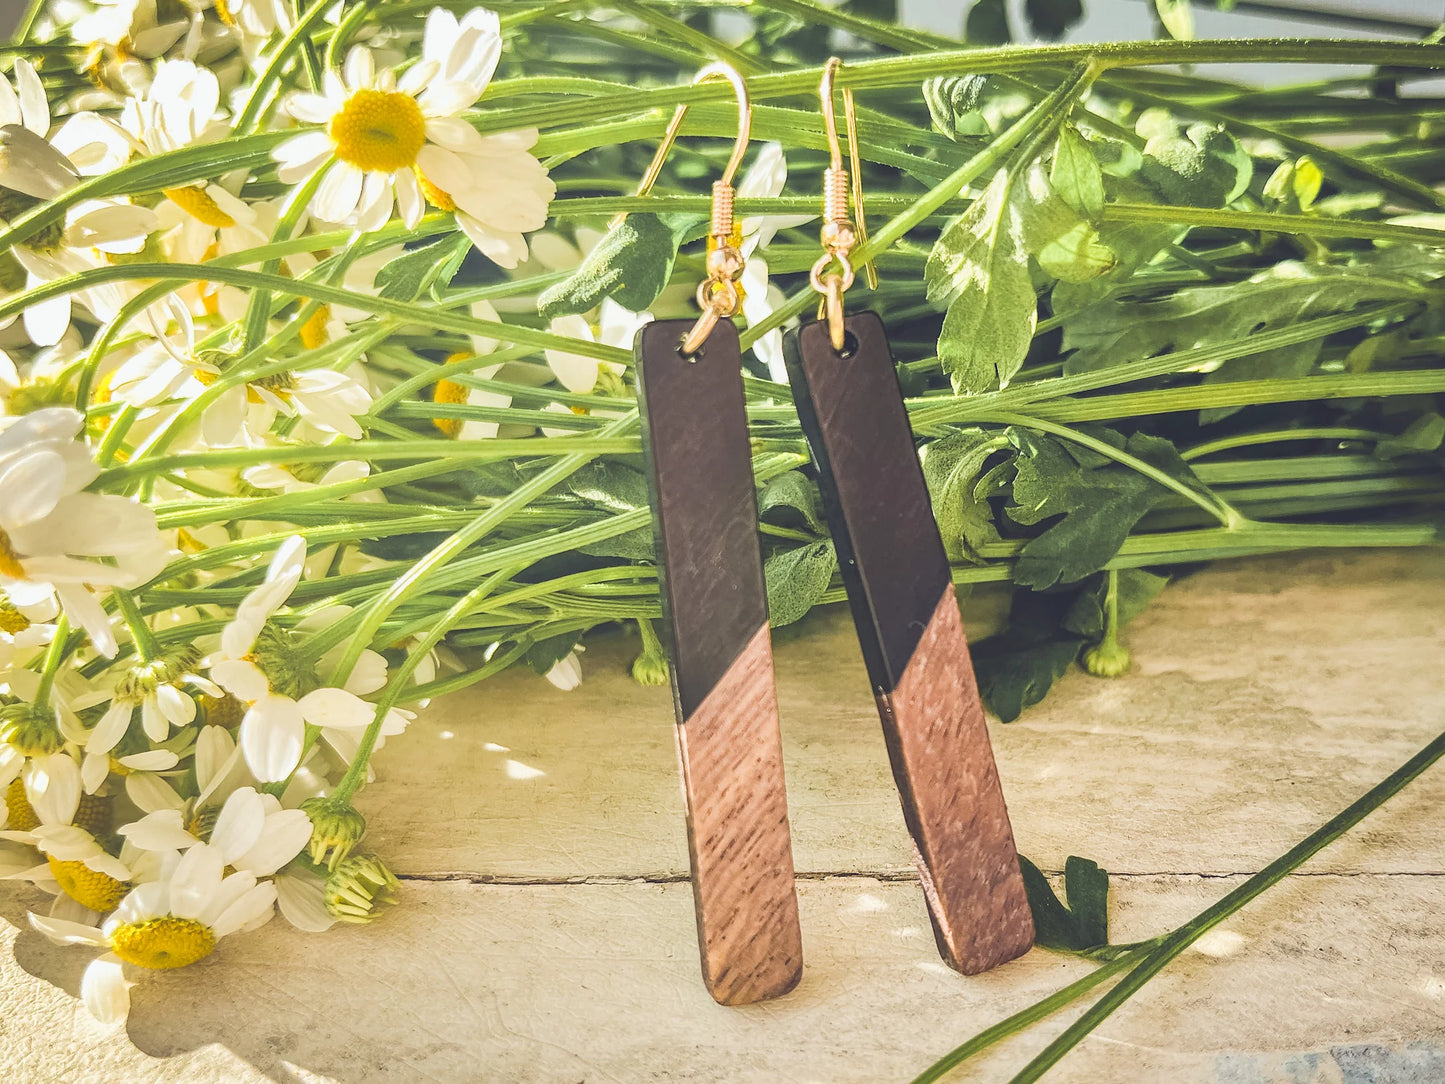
93	814
223	12
313	331
11	619
19	813
163	943
379	130
197	203
98	891
439	199
224	711
448	391
10	560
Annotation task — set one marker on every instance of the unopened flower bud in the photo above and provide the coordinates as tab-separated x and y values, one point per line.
358	887
1107	660
335	828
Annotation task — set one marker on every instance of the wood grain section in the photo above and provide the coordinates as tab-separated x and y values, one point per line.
742	857
953	803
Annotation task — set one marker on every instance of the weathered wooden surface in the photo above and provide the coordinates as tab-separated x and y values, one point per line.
1266	695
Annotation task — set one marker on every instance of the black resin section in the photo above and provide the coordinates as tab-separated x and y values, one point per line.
704	503
874	496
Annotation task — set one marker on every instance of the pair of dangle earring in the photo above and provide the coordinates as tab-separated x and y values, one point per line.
699	460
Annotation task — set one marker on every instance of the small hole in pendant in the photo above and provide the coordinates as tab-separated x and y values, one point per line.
691	359
850	345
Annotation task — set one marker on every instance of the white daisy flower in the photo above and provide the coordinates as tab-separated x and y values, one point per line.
255	665
251	830
32	169
50	527
164	924
616	326
258	18
401	141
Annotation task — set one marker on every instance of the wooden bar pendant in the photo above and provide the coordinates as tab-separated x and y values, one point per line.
705	522
901	593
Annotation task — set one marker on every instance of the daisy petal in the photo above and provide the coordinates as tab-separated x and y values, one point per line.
105	991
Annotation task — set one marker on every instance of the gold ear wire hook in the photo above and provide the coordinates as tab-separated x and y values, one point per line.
717	295
839	234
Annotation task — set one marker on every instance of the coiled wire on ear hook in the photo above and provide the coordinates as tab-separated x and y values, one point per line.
717	295
839	234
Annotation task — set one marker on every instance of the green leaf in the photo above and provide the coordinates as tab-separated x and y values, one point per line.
1424	435
1086	887
1093	506
1082	925
796	579
952	468
1066	246
418	270
1177	18
611	487
1137	589
1204	167
979	269
987	23
1075	174
955	103
1119	331
631	265
1011	677
791	500
1051	19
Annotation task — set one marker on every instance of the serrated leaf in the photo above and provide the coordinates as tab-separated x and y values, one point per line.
951	469
979	269
1051	19
1136	589
796	579
1065	246
1092	507
955	104
1116	332
631	265
610	487
1012	677
1084	923
1204	167
987	23
1075	174
418	270
791	500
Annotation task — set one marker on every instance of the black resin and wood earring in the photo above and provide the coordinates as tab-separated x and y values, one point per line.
705	522
901	592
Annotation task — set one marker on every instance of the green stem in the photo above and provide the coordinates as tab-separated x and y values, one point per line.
55	655
1016	1023
1246	440
251	113
145	641
356	771
27	21
407	584
1175	943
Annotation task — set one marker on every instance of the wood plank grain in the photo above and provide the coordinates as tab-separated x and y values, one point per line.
953	803
742	858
